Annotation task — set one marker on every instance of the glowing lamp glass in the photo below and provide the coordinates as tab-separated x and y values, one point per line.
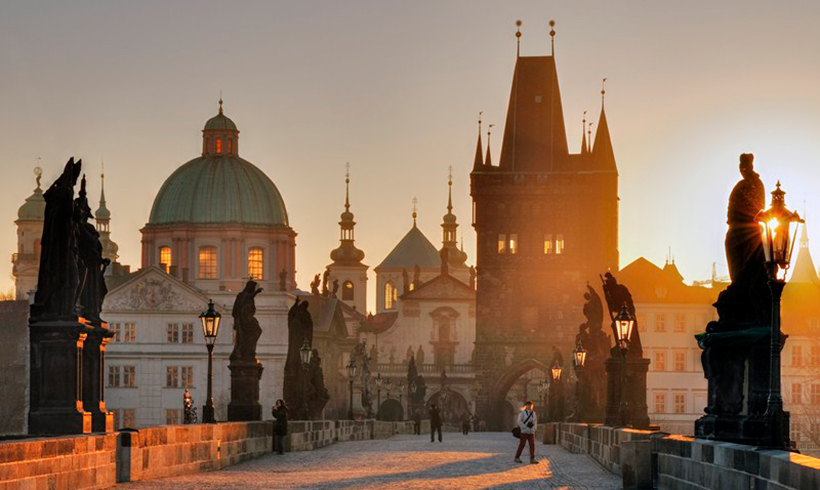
210	323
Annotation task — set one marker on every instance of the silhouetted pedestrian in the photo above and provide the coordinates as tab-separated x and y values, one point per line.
528	424
280	426
465	423
417	422
435	423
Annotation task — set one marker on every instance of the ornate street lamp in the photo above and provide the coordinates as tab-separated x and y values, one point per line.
778	233
378	395
624	323
579	356
579	359
210	328
351	374
556	372
305	353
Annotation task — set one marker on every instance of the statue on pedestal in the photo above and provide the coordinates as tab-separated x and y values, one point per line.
246	370
362	360
91	265
592	388
300	330
318	395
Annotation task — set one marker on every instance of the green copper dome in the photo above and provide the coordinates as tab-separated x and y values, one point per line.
217	190
220	122
34	209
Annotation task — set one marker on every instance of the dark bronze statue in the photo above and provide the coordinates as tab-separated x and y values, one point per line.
318	395
91	264
325	280
420	356
473	275
417	388
59	278
245	324
616	296
314	285
300	329
592	396
335	288
362	360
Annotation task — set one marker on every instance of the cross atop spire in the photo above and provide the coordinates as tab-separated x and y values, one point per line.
488	161
450	190
517	38
478	162
415	209
584	148
347	186
220	101
552	37
603	91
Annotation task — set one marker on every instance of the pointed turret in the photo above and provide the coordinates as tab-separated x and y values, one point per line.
103	218
347	253
584	149
479	161
449	225
602	150
803	270
488	161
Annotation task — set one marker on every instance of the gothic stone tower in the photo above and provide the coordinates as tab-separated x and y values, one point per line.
546	223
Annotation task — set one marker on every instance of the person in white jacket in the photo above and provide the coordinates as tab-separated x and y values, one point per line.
528	423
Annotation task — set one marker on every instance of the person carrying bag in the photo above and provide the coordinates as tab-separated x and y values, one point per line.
525	430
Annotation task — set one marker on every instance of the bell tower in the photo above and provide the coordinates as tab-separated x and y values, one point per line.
347	266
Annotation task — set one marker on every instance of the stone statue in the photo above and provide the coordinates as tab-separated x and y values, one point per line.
283	280
318	395
325	279
616	296
420	356
188	409
416	387
335	288
314	285
91	264
408	354
58	278
596	343
473	275
245	324
405	281
359	355
300	329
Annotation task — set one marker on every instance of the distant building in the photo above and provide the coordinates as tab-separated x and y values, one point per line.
26	261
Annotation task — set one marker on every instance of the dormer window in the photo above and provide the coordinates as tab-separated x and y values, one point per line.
219	146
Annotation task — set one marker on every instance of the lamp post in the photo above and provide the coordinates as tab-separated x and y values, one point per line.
305	352
624	322
778	231
388	385
556	394
579	359
378	395
351	373
210	328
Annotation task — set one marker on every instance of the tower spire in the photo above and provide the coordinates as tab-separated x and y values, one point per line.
552	37
347	253
449	226
517	38
584	149
220	101
488	161
415	209
589	136
450	191
347	186
478	162
603	92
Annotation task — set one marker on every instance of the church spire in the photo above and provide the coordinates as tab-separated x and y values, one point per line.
552	37
449	225
602	150
103	218
347	253
488	161
584	149
479	161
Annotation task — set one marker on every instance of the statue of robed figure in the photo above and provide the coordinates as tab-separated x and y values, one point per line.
246	370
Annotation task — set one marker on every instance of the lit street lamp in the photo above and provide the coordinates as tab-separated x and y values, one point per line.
556	392
351	373
624	322
378	395
210	328
305	353
778	231
579	359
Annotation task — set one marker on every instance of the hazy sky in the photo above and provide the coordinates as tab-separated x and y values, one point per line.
394	88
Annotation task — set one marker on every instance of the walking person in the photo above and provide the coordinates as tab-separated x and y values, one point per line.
417	422
435	422
465	423
527	424
280	426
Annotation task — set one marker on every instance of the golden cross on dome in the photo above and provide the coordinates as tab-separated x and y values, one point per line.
415	208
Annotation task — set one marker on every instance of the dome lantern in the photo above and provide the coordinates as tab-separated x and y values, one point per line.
220	136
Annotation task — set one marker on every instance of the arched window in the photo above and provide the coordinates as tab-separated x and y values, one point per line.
230	146
347	291
256	263
207	262
219	146
390	295
165	259
444	330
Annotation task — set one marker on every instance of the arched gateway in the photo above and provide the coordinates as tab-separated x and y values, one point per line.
546	224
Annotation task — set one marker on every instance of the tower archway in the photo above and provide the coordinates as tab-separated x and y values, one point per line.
524	376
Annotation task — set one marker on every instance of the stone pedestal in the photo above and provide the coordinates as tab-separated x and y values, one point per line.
56	378
244	405
94	378
634	392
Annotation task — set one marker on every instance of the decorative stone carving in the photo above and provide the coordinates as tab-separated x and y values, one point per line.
151	294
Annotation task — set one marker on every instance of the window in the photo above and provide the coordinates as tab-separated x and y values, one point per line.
165	259
559	244
129	376
660	402
347	291
116	416
660	361
256	263
660	322
680	403
187	333
795	432
390	295
173	333
797	355
207	262
230	145
129	418
219	146
815	395
679	360
502	243
171	377
547	244
680	322
129	333
815	355
513	244
115	327
797	394
171	414
187	373
113	376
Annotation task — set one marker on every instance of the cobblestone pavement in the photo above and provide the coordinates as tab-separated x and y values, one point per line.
479	460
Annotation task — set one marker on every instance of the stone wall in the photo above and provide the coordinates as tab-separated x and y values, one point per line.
170	450
66	462
647	459
307	435
14	377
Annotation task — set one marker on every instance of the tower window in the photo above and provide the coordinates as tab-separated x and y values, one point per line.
548	245
513	244
559	244
230	146
165	259
347	291
219	146
391	295
207	262
502	243
256	262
